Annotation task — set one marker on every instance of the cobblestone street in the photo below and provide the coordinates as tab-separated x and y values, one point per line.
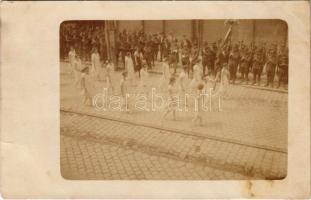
247	139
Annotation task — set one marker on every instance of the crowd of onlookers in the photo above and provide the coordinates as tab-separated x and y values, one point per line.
83	38
244	59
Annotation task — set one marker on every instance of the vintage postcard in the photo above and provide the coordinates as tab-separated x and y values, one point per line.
155	99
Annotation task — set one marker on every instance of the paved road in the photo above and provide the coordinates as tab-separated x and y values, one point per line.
96	148
247	139
249	116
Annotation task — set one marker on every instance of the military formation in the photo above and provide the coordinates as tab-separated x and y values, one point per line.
247	63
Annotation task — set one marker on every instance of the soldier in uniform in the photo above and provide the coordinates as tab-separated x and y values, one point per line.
245	64
283	67
257	66
208	61
221	58
165	48
138	57
173	60
148	53
185	58
193	57
270	66
204	58
234	59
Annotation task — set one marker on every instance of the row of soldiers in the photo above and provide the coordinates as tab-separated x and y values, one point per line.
252	59
241	58
151	46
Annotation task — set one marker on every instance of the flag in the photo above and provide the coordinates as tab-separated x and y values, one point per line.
227	36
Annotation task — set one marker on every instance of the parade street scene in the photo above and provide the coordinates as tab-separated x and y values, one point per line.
173	99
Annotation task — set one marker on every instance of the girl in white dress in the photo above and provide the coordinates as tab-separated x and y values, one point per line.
109	72
86	96
224	80
77	71
143	80
197	76
129	67
166	74
124	91
182	80
172	107
198	110
96	65
72	57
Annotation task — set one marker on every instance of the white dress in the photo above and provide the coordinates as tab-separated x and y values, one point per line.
143	80
197	77
77	72
109	71
96	66
182	81
224	81
166	71
129	67
72	58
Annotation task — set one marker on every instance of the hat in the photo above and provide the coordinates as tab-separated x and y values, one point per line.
200	86
124	74
172	79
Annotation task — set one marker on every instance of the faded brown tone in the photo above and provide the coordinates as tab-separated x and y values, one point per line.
245	138
30	148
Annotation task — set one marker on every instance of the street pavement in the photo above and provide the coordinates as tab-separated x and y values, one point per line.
246	139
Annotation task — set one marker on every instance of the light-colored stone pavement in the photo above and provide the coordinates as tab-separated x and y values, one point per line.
246	139
95	148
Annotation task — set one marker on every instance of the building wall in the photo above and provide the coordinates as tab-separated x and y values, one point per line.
247	30
130	25
179	28
153	26
270	31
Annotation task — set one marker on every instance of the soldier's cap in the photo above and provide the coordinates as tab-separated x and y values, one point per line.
172	79
200	86
124	74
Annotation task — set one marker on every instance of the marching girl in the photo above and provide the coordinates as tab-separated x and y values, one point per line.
129	67
182	79
96	65
143	80
72	57
166	73
124	93
197	76
85	93
224	77
172	107
120	61
198	109
109	72
77	71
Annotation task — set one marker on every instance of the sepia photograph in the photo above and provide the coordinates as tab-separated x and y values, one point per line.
155	99
193	99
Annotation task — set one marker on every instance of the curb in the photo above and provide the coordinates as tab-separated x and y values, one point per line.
183	132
